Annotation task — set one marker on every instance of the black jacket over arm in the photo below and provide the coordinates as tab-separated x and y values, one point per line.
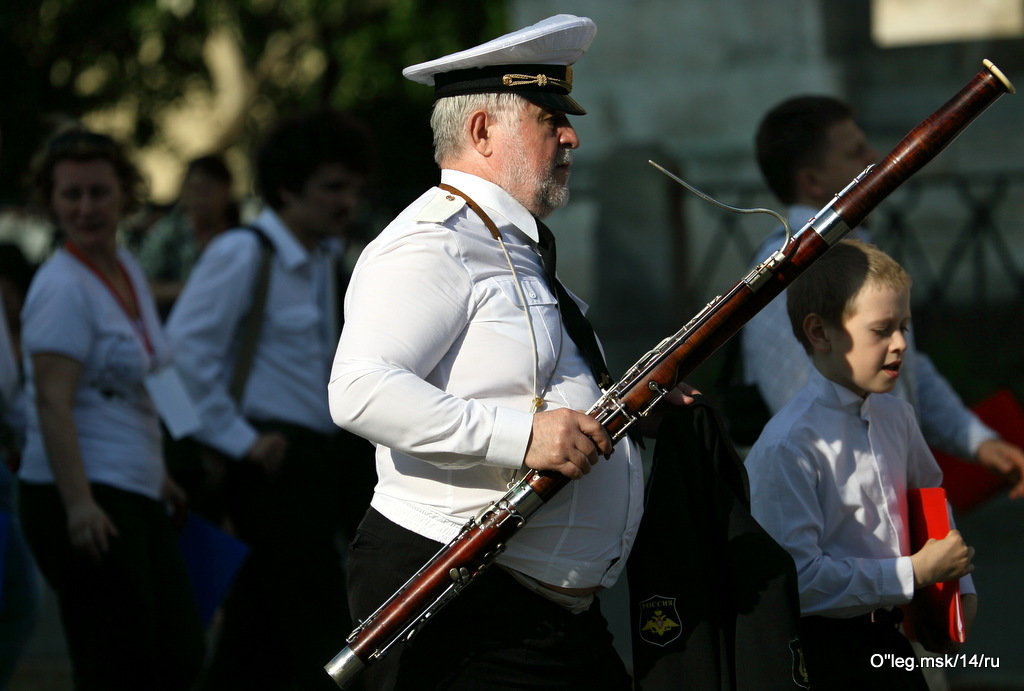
713	599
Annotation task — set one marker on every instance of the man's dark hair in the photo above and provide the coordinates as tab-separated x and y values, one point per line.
212	165
299	144
792	135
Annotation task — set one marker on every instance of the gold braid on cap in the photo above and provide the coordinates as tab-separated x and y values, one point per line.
541	80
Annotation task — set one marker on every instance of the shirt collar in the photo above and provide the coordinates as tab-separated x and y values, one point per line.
840	396
503	209
287	248
799	215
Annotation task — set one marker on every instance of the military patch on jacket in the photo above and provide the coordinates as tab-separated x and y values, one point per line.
659	620
800	677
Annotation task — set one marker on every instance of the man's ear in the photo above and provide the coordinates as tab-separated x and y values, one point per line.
481	132
808	183
817	336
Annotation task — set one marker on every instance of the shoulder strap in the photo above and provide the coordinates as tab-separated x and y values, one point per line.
249	330
476	208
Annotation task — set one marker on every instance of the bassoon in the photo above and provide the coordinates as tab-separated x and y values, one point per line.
648	381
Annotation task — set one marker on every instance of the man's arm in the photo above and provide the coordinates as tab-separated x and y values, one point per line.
407	305
950	426
202	328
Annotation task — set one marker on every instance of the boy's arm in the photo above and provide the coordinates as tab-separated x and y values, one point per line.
923	471
942	560
785	500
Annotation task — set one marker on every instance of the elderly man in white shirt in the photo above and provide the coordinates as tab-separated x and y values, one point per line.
463	390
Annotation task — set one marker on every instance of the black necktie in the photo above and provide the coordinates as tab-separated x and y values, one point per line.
579	328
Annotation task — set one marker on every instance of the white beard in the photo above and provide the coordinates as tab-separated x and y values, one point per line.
540	196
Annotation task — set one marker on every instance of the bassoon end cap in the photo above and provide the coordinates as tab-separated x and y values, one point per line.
990	66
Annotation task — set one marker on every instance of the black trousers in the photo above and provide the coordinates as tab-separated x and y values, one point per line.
130	620
286	614
494	635
856	654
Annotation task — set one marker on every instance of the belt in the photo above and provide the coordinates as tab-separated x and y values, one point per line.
891	617
878	617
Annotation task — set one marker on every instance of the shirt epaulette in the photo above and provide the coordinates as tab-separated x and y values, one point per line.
440	208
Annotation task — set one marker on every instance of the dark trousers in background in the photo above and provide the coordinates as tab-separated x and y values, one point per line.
130	620
286	614
850	655
495	635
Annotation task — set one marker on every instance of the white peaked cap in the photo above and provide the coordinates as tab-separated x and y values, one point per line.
534	61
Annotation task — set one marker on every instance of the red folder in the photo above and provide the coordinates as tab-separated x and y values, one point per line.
935	608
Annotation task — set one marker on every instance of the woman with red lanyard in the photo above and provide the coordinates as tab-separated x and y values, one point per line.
94	491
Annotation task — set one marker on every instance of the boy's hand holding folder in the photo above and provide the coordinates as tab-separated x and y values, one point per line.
938	617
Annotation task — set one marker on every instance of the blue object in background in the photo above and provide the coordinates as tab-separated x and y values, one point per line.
212	557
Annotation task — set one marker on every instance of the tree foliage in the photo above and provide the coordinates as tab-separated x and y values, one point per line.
172	77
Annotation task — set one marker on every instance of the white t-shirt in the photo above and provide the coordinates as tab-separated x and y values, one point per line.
69	311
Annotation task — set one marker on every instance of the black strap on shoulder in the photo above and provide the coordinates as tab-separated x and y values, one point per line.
249	330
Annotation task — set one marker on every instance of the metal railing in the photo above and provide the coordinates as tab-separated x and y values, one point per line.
960	236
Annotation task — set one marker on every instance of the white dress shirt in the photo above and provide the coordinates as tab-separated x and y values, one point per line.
287	380
775	361
437	366
828	480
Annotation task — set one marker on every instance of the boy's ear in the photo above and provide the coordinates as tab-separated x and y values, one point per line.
814	330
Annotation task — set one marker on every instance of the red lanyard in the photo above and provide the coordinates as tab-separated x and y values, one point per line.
137	323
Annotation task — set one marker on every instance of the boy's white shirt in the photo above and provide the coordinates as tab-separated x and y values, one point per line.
828	480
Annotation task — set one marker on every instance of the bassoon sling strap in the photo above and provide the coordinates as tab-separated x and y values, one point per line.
252	323
576	324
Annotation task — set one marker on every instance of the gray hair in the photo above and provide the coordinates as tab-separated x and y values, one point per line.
448	119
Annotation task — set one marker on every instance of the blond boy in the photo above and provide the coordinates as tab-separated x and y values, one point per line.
830	472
